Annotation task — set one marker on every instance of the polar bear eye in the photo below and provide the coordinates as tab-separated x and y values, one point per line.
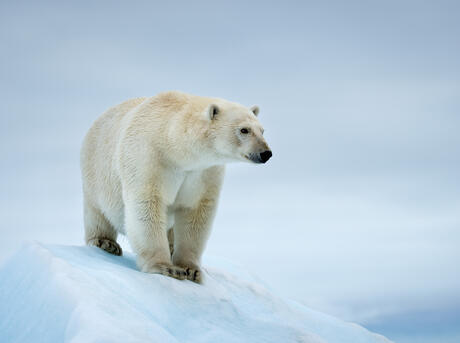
244	131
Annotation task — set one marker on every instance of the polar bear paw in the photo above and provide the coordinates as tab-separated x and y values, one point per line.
167	270
173	271
194	274
106	244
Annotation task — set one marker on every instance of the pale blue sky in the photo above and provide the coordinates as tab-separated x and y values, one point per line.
358	212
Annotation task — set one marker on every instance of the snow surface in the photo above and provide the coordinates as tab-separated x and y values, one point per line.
51	293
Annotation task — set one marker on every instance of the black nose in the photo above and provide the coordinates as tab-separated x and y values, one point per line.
265	156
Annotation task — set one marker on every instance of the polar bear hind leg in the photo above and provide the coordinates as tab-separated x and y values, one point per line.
99	232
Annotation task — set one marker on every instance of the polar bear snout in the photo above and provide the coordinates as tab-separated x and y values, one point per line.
260	157
265	156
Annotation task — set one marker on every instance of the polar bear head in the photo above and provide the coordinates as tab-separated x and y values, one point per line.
237	133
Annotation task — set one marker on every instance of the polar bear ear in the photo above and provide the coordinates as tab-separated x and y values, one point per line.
213	111
255	109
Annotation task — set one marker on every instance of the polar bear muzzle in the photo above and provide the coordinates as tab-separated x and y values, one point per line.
265	156
260	157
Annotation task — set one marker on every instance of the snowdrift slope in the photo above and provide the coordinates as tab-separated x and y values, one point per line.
82	294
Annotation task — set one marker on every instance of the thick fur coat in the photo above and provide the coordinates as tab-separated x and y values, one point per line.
152	169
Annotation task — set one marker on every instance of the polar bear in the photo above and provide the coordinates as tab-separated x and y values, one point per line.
152	169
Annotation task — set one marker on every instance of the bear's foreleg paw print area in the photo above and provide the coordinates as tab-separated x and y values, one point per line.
107	245
167	270
193	274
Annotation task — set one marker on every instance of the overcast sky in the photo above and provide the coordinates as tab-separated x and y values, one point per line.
358	212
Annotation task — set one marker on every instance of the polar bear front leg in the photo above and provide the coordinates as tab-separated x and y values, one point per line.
191	232
146	231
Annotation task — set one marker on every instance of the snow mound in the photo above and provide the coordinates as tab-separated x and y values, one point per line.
52	293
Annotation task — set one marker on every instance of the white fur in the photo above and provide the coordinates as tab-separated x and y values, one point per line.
153	164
